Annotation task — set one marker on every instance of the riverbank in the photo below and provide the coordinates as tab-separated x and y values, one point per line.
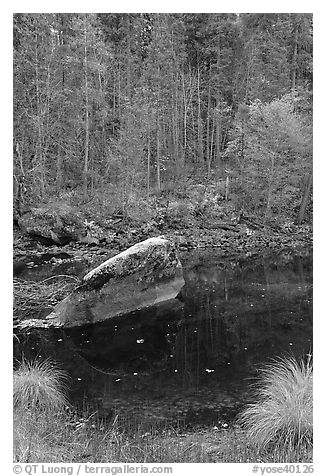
196	218
48	428
242	241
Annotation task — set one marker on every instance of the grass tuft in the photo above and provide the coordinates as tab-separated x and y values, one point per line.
39	386
282	414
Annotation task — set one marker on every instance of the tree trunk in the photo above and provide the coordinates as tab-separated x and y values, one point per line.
294	54
39	146
104	138
119	88
217	118
86	154
148	163
176	124
19	183
211	146
227	187
270	188
114	103
185	112
187	95
305	199
61	138
59	170
62	43
128	118
158	176
218	139
208	120
199	123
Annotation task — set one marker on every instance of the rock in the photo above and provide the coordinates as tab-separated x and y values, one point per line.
147	274
18	267
89	240
53	224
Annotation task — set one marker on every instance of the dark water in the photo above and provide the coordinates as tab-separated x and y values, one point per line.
192	359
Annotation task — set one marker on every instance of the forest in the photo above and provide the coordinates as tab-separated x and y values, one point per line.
125	109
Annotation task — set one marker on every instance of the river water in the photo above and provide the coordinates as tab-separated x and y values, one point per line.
193	360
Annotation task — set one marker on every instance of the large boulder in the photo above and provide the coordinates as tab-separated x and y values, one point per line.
144	275
52	224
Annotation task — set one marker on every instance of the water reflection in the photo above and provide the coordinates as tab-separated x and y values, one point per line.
191	358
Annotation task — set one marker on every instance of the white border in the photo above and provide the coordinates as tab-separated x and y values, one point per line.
319	186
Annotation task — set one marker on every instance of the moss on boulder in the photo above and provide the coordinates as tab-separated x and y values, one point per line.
144	275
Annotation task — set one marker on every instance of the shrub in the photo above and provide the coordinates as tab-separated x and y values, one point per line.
175	215
39	386
283	411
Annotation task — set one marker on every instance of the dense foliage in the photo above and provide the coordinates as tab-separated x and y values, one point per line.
127	105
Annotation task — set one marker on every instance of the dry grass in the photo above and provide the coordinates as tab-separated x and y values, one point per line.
39	387
71	439
30	297
282	415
